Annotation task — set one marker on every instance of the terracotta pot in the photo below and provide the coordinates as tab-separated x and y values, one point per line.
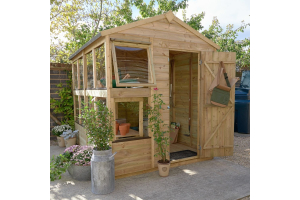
61	141
123	129
70	142
128	126
163	169
117	128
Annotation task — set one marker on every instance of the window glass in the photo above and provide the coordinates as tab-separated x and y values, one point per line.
75	75
77	109
90	79
81	73
100	67
132	65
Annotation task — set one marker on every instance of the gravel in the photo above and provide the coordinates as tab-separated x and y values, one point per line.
241	152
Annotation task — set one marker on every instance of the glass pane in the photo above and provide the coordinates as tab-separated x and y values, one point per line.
75	75
81	73
90	79
77	109
82	104
132	65
100	67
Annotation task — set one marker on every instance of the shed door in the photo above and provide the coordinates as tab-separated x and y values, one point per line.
216	123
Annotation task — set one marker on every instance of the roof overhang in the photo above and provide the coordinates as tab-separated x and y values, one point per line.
169	16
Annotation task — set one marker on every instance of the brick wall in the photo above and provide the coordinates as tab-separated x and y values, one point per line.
58	74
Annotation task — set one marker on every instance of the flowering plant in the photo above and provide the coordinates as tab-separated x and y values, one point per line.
58	130
75	154
80	155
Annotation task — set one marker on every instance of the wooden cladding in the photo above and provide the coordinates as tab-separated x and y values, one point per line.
132	156
217	123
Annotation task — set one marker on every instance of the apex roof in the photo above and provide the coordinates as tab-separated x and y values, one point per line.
169	16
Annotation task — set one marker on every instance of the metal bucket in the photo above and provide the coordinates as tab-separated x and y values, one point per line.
80	173
103	172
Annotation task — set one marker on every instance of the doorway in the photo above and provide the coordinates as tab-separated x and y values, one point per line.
183	82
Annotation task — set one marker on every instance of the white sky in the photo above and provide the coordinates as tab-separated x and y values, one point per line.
227	12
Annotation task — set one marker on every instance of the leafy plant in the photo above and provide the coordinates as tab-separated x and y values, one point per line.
58	166
98	124
65	104
75	154
156	125
58	130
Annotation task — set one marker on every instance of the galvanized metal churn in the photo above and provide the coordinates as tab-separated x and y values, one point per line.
103	171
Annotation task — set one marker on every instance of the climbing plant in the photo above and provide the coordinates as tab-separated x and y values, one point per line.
65	104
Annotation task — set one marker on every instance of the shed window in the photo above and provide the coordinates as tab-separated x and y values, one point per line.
89	64
133	64
80	62
100	67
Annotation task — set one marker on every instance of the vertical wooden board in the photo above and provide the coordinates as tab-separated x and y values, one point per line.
215	110
199	109
203	114
222	112
209	123
230	121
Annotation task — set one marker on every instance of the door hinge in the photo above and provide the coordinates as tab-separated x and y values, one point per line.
199	147
200	62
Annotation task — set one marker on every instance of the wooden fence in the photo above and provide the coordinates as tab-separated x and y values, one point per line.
58	74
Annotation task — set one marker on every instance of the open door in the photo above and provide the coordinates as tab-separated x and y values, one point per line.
216	123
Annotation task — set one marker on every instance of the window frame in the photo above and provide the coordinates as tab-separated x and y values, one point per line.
150	64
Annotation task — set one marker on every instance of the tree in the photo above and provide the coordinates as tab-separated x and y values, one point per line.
226	39
80	20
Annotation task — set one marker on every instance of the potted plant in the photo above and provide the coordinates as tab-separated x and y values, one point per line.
80	158
99	129
58	130
69	137
76	160
156	125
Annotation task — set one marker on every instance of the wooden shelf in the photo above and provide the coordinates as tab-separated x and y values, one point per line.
130	133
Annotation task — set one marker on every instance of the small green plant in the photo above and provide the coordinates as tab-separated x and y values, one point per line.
58	166
65	104
156	125
98	124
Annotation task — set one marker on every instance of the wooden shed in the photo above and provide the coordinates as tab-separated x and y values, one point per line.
122	65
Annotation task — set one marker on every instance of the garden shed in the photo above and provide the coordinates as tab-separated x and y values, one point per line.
122	66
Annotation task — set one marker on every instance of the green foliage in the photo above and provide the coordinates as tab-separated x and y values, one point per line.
65	104
59	165
98	124
226	39
79	20
156	125
195	21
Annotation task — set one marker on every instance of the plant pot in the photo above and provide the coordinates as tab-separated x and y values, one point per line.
123	129
128	127
163	169
71	141
61	141
173	135
80	173
103	171
117	128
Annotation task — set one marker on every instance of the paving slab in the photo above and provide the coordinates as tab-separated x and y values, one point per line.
216	179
